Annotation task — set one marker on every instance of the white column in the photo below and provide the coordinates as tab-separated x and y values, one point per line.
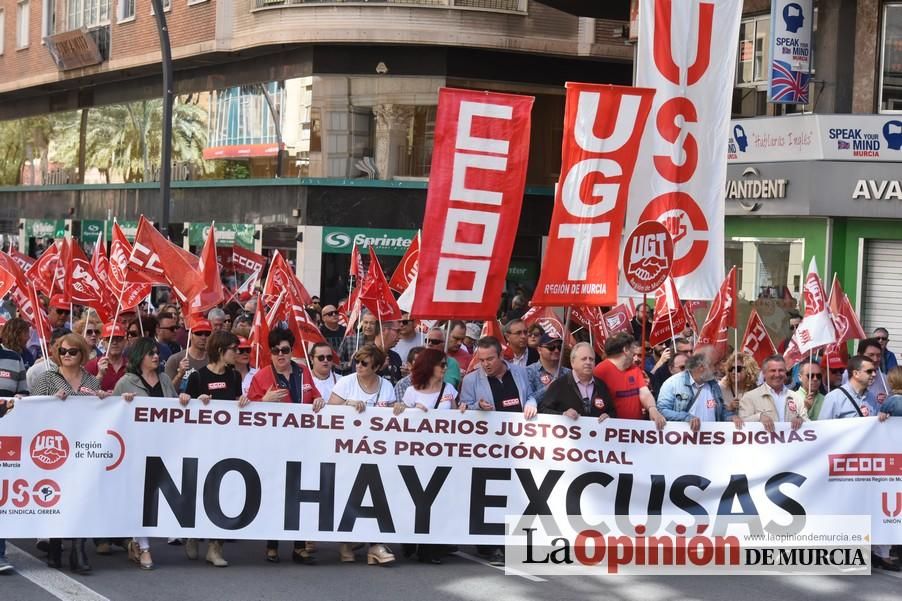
309	264
393	123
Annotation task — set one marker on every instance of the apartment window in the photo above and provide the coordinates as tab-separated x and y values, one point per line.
48	18
754	41
2	30
891	59
167	6
87	13
23	12
126	10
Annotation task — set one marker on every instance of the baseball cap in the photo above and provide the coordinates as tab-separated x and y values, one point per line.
113	330
243	342
58	301
833	361
474	331
546	339
200	325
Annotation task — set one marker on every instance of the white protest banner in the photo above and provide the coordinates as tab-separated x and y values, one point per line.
87	467
687	53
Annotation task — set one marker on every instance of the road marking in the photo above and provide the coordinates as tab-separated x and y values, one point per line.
886	573
508	571
53	581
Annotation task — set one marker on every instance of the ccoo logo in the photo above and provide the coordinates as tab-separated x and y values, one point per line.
338	240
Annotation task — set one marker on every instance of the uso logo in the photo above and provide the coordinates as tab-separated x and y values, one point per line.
49	449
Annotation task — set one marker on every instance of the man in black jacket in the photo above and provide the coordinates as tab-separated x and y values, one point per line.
579	393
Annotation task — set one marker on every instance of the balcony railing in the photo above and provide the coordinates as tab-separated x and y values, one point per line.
517	6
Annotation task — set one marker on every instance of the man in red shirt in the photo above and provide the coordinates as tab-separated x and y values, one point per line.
626	381
111	367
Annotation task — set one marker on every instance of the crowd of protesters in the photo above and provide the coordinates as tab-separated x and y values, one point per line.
449	366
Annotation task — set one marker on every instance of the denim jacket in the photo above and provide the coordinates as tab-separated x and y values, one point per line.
676	394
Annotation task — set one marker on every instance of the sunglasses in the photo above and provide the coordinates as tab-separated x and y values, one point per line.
117	339
92	332
323	357
202	334
434	341
738	368
153	353
62	311
243	351
280	350
814	376
553	347
882	338
330	313
363	363
72	352
405	322
134	334
870	372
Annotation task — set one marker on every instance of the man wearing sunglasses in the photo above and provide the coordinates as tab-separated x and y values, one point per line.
111	367
870	348
888	362
834	368
167	326
855	398
517	335
182	364
435	338
812	376
693	395
548	368
331	329
408	337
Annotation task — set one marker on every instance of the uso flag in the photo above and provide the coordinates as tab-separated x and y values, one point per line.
687	53
473	204
602	129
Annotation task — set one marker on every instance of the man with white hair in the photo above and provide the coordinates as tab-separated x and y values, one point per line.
580	393
218	318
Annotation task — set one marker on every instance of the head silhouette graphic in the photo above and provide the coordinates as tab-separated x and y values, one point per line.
892	133
739	135
793	17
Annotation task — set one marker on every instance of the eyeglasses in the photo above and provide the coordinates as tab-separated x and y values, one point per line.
92	332
363	363
738	368
517	333
226	321
243	351
132	334
323	357
330	313
280	350
72	352
202	334
814	376
555	346
434	341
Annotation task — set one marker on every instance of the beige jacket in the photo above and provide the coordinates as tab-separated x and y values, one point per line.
759	401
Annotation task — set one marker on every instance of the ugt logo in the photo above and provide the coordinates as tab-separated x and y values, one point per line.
897	507
49	449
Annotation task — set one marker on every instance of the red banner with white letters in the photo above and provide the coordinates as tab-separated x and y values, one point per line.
473	204
602	129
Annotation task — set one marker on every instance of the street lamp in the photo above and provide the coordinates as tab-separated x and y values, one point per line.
166	142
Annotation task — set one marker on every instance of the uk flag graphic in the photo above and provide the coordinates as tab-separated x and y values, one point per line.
788	86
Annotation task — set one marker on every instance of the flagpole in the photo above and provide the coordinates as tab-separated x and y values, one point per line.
672	334
736	355
644	322
447	334
827	365
560	361
41	338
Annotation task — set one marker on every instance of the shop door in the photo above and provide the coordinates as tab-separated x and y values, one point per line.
880	287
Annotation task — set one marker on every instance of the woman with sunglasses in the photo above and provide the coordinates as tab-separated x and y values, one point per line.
69	379
89	327
359	390
143	378
217	380
324	377
285	381
243	363
742	371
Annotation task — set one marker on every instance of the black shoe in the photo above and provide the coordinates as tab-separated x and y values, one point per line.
43	545
883	564
78	559
55	553
302	557
497	558
432	560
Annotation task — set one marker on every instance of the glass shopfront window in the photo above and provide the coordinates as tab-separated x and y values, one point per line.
891	59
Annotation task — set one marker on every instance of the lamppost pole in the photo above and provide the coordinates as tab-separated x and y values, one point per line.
166	142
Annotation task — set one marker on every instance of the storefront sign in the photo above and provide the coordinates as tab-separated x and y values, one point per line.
227	234
90	231
73	49
790	51
816	138
753	187
341	240
869	189
522	271
37	228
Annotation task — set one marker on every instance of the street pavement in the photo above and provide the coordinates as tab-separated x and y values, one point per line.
462	577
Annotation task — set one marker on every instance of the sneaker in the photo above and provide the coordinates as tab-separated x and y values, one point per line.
497	558
5	565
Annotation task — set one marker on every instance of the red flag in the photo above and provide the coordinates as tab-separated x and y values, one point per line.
618	320
473	205
211	294
375	294
757	341
82	285
356	270
260	355
101	266
8	273
491	327
247	261
155	257
22	260
43	271
592	318
406	270
128	295
281	277
793	353
304	330
845	321
670	318
603	126
721	316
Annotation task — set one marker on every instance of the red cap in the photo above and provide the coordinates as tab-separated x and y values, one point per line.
113	330
243	342
201	325
833	361
58	301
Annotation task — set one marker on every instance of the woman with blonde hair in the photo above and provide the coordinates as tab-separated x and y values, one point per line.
89	326
892	406
741	376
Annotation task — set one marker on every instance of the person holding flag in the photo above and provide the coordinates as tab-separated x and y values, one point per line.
111	366
184	363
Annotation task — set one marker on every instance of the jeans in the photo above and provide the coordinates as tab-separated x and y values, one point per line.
2	548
